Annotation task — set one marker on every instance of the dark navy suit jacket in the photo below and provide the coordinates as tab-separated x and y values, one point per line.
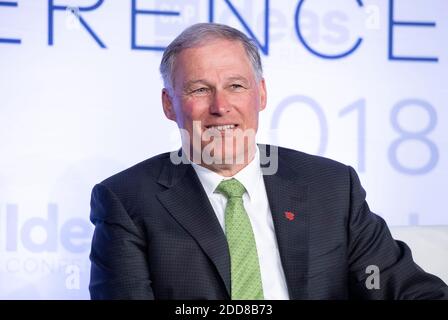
157	236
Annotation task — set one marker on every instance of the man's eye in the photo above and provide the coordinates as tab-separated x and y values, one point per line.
201	90
236	86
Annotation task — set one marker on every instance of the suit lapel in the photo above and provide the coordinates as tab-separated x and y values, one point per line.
187	202
287	198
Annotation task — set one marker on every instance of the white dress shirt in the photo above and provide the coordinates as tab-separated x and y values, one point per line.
257	207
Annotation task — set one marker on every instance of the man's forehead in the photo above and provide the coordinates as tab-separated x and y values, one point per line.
230	77
219	59
190	67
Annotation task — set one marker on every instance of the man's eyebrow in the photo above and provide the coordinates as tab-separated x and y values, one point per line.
192	82
242	80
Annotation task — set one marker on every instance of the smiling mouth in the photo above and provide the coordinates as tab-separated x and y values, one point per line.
222	127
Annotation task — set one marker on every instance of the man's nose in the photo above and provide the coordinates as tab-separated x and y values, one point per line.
219	104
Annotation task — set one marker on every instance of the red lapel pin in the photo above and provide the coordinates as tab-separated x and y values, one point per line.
289	215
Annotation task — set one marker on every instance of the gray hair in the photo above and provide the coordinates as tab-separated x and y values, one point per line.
198	34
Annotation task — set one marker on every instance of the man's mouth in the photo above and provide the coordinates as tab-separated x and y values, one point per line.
222	127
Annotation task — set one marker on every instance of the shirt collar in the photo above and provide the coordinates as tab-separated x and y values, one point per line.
249	176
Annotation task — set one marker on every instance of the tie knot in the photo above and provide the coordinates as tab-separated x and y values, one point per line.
231	188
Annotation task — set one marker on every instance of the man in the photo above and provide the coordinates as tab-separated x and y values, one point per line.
212	221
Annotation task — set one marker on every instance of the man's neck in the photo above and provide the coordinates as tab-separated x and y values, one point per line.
229	170
225	170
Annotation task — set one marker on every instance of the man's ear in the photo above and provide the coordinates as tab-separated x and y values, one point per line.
263	94
167	104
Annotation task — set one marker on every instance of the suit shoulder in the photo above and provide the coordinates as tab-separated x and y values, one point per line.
143	172
312	167
299	157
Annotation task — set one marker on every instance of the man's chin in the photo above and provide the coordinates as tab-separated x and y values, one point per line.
216	154
230	157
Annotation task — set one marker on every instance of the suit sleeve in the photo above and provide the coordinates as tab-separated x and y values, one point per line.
371	244
119	264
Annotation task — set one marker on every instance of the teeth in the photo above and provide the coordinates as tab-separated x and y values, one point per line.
225	127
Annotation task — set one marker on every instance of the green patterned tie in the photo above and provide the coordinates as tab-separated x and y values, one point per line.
245	269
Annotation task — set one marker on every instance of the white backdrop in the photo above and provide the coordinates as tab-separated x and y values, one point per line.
362	82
